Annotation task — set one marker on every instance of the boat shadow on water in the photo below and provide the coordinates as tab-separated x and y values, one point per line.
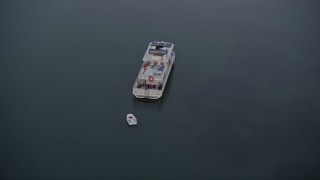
155	103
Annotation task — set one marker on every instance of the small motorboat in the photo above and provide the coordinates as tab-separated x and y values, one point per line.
131	119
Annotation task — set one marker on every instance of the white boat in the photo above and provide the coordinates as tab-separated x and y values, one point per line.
155	70
131	119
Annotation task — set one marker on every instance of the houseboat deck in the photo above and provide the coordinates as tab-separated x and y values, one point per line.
152	77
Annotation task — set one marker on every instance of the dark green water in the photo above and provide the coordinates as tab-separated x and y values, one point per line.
242	102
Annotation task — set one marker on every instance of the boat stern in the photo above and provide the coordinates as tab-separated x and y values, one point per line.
145	93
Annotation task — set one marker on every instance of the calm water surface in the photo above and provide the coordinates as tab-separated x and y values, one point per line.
242	101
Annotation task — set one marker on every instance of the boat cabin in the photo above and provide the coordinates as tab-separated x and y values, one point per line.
156	60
